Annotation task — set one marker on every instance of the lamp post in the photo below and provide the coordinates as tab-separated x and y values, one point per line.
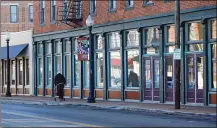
91	98
8	94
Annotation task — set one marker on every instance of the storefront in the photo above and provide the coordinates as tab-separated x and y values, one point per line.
134	60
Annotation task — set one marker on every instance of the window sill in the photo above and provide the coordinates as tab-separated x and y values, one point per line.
128	8
148	4
53	22
41	25
93	14
112	11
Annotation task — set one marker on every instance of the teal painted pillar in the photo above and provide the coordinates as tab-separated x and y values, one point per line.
105	64
205	63
123	63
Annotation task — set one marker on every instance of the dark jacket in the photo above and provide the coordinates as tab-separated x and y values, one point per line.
59	80
133	78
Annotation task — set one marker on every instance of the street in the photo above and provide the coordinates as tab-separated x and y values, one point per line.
21	115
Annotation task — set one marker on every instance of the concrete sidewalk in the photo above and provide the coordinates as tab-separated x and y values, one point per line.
186	110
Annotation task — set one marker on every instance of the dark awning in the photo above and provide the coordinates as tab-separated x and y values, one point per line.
14	51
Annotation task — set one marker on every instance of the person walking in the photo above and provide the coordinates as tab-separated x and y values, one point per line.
60	81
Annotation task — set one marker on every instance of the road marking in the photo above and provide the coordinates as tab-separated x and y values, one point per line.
56	120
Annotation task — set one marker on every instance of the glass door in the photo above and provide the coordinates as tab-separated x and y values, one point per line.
169	79
194	79
152	78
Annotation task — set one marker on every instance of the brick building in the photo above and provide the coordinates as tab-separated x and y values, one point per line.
130	37
17	20
16	16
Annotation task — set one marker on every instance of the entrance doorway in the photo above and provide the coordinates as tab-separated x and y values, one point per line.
194	81
152	78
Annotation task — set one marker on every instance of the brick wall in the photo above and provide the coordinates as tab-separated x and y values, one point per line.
23	16
103	16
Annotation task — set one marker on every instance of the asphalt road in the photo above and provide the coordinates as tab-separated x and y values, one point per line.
21	115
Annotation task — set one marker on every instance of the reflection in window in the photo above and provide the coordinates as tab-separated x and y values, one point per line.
152	36
67	70
114	40
133	68
195	31
67	47
147	74
58	64
40	48
77	73
170	48
156	73
133	38
115	69
169	64
58	47
99	66
200	72
214	51
196	47
213	29
49	70
87	73
13	72
190	72
214	75
171	34
20	72
40	67
152	50
99	42
48	48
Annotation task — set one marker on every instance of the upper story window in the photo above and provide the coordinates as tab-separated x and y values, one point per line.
13	13
42	7
195	30
53	10
65	6
30	13
92	6
129	3
148	2
112	4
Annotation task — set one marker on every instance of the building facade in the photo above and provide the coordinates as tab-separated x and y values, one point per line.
20	55
133	40
16	16
17	20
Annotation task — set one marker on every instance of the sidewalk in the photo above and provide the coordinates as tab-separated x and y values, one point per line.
185	110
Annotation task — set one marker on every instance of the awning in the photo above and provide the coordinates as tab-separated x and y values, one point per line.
14	51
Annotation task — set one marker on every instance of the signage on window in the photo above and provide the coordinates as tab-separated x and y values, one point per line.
82	48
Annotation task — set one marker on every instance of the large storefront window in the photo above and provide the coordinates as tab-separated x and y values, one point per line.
67	64
40	73
132	58
67	70
49	70
77	73
115	59
58	63
115	69
99	61
13	72
214	65
20	72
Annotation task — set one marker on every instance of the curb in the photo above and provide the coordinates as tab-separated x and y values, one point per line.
122	108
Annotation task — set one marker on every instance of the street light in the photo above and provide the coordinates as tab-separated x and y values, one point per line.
91	98
8	94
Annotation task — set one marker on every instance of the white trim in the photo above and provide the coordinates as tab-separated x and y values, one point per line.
30	4
130	100
114	99
6	4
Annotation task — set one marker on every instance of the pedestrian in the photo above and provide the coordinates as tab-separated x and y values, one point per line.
133	80
60	82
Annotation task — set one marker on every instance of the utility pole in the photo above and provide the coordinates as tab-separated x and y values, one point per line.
177	61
